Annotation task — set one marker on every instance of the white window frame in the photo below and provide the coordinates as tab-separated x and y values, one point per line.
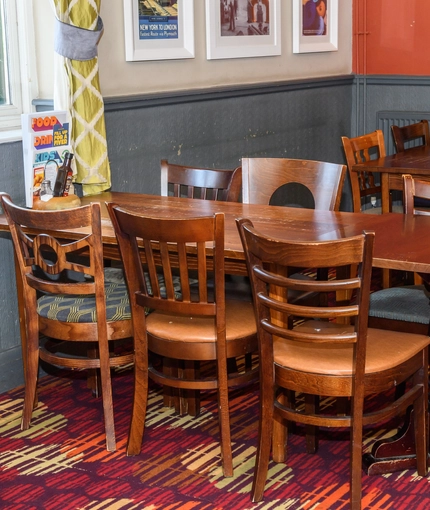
20	48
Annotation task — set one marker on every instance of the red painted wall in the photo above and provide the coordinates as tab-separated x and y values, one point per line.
391	37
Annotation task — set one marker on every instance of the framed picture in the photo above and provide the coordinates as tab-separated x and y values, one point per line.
159	29
243	28
315	24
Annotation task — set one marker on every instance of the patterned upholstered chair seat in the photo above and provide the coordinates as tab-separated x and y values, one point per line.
83	308
408	304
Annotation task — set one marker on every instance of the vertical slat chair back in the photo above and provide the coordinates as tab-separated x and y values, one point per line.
203	183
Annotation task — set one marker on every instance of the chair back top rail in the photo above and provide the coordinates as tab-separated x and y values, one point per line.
38	246
411	133
203	183
263	177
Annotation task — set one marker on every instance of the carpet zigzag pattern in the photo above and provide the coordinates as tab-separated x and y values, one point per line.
61	461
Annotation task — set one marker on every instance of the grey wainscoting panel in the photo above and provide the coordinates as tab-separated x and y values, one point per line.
385	119
12	171
405	95
382	100
11	370
217	128
9	323
12	182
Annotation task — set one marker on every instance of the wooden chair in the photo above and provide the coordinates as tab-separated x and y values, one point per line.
405	308
336	360
204	183
411	135
413	189
199	325
358	150
267	181
363	185
416	193
67	300
282	181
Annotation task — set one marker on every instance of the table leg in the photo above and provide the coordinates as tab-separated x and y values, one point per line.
396	453
385	192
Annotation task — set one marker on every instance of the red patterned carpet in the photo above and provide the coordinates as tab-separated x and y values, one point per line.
60	463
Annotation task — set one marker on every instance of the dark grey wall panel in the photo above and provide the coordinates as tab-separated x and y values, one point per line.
12	182
12	171
373	94
218	129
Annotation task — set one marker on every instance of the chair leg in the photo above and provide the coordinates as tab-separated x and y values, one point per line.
248	361
280	428
171	395
31	378
106	382
224	418
93	375
421	420
356	453
386	278
290	399
191	397
231	365
311	431
140	399
264	443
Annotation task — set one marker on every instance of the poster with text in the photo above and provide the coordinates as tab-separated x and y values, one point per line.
45	141
158	19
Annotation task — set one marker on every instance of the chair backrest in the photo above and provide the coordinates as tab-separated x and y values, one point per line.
165	244
278	181
412	189
359	150
418	132
203	183
268	259
416	194
55	265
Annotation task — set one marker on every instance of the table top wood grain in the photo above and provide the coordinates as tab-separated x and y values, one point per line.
415	160
401	241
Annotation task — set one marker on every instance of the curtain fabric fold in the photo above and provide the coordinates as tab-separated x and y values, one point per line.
77	89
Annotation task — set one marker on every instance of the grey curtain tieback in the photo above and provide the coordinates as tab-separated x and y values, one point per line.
77	43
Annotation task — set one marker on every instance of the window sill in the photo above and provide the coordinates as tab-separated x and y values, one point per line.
14	135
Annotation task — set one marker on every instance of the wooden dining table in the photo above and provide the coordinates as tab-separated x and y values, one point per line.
399	239
414	161
400	243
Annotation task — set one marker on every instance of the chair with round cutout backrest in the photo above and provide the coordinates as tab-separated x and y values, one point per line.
319	183
295	183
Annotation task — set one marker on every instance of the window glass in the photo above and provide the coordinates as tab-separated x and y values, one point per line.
18	84
4	96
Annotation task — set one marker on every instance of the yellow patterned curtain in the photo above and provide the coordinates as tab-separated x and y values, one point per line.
77	89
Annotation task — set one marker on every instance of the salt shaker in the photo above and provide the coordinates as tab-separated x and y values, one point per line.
45	190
